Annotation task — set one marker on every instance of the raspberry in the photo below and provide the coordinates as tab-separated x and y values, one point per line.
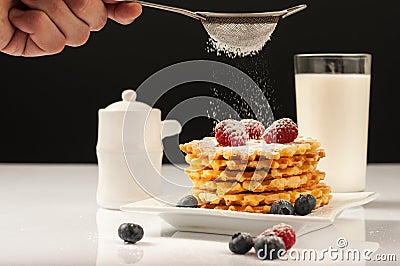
286	233
230	133
254	128
267	232
281	131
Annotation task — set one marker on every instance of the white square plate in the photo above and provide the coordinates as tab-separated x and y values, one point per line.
230	222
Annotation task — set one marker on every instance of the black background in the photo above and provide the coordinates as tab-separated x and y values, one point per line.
48	106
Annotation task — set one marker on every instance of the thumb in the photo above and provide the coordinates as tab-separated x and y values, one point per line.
6	28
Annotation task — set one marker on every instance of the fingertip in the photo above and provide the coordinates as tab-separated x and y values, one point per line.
126	13
137	8
101	23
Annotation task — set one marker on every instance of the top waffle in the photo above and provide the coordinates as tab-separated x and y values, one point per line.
235	165
208	149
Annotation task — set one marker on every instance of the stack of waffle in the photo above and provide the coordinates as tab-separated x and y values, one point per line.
250	178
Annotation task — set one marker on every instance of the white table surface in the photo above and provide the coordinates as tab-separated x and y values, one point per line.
49	216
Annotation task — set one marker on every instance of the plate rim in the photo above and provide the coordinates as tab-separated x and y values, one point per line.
368	196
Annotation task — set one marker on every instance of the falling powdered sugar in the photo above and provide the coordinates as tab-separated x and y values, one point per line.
257	68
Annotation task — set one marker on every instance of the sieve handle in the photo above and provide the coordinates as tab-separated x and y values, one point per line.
293	10
168	8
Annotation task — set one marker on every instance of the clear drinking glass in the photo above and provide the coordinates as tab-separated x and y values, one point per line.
332	100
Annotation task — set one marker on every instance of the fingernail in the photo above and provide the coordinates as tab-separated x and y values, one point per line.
15	13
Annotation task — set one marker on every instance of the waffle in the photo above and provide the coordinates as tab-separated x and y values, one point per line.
319	191
208	149
236	165
297	181
261	208
258	175
250	178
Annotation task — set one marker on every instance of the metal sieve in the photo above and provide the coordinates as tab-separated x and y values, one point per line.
236	31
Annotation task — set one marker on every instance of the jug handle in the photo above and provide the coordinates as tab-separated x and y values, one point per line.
170	128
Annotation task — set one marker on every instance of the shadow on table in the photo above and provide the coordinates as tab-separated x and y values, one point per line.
350	225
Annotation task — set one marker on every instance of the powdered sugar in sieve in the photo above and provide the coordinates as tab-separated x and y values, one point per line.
239	36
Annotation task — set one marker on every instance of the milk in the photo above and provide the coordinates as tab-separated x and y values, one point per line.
334	109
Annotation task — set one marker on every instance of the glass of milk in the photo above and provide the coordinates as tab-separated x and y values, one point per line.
332	100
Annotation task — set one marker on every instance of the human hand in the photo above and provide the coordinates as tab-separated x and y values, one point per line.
47	26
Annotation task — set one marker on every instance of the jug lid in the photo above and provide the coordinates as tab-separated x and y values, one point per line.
128	103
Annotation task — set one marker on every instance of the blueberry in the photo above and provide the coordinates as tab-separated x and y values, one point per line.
282	207
269	247
130	232
188	201
241	243
305	204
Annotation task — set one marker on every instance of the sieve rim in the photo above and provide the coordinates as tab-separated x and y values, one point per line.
242	15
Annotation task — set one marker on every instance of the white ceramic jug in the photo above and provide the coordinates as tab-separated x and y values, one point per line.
129	151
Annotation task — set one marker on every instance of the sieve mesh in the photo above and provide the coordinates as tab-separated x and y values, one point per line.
239	36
